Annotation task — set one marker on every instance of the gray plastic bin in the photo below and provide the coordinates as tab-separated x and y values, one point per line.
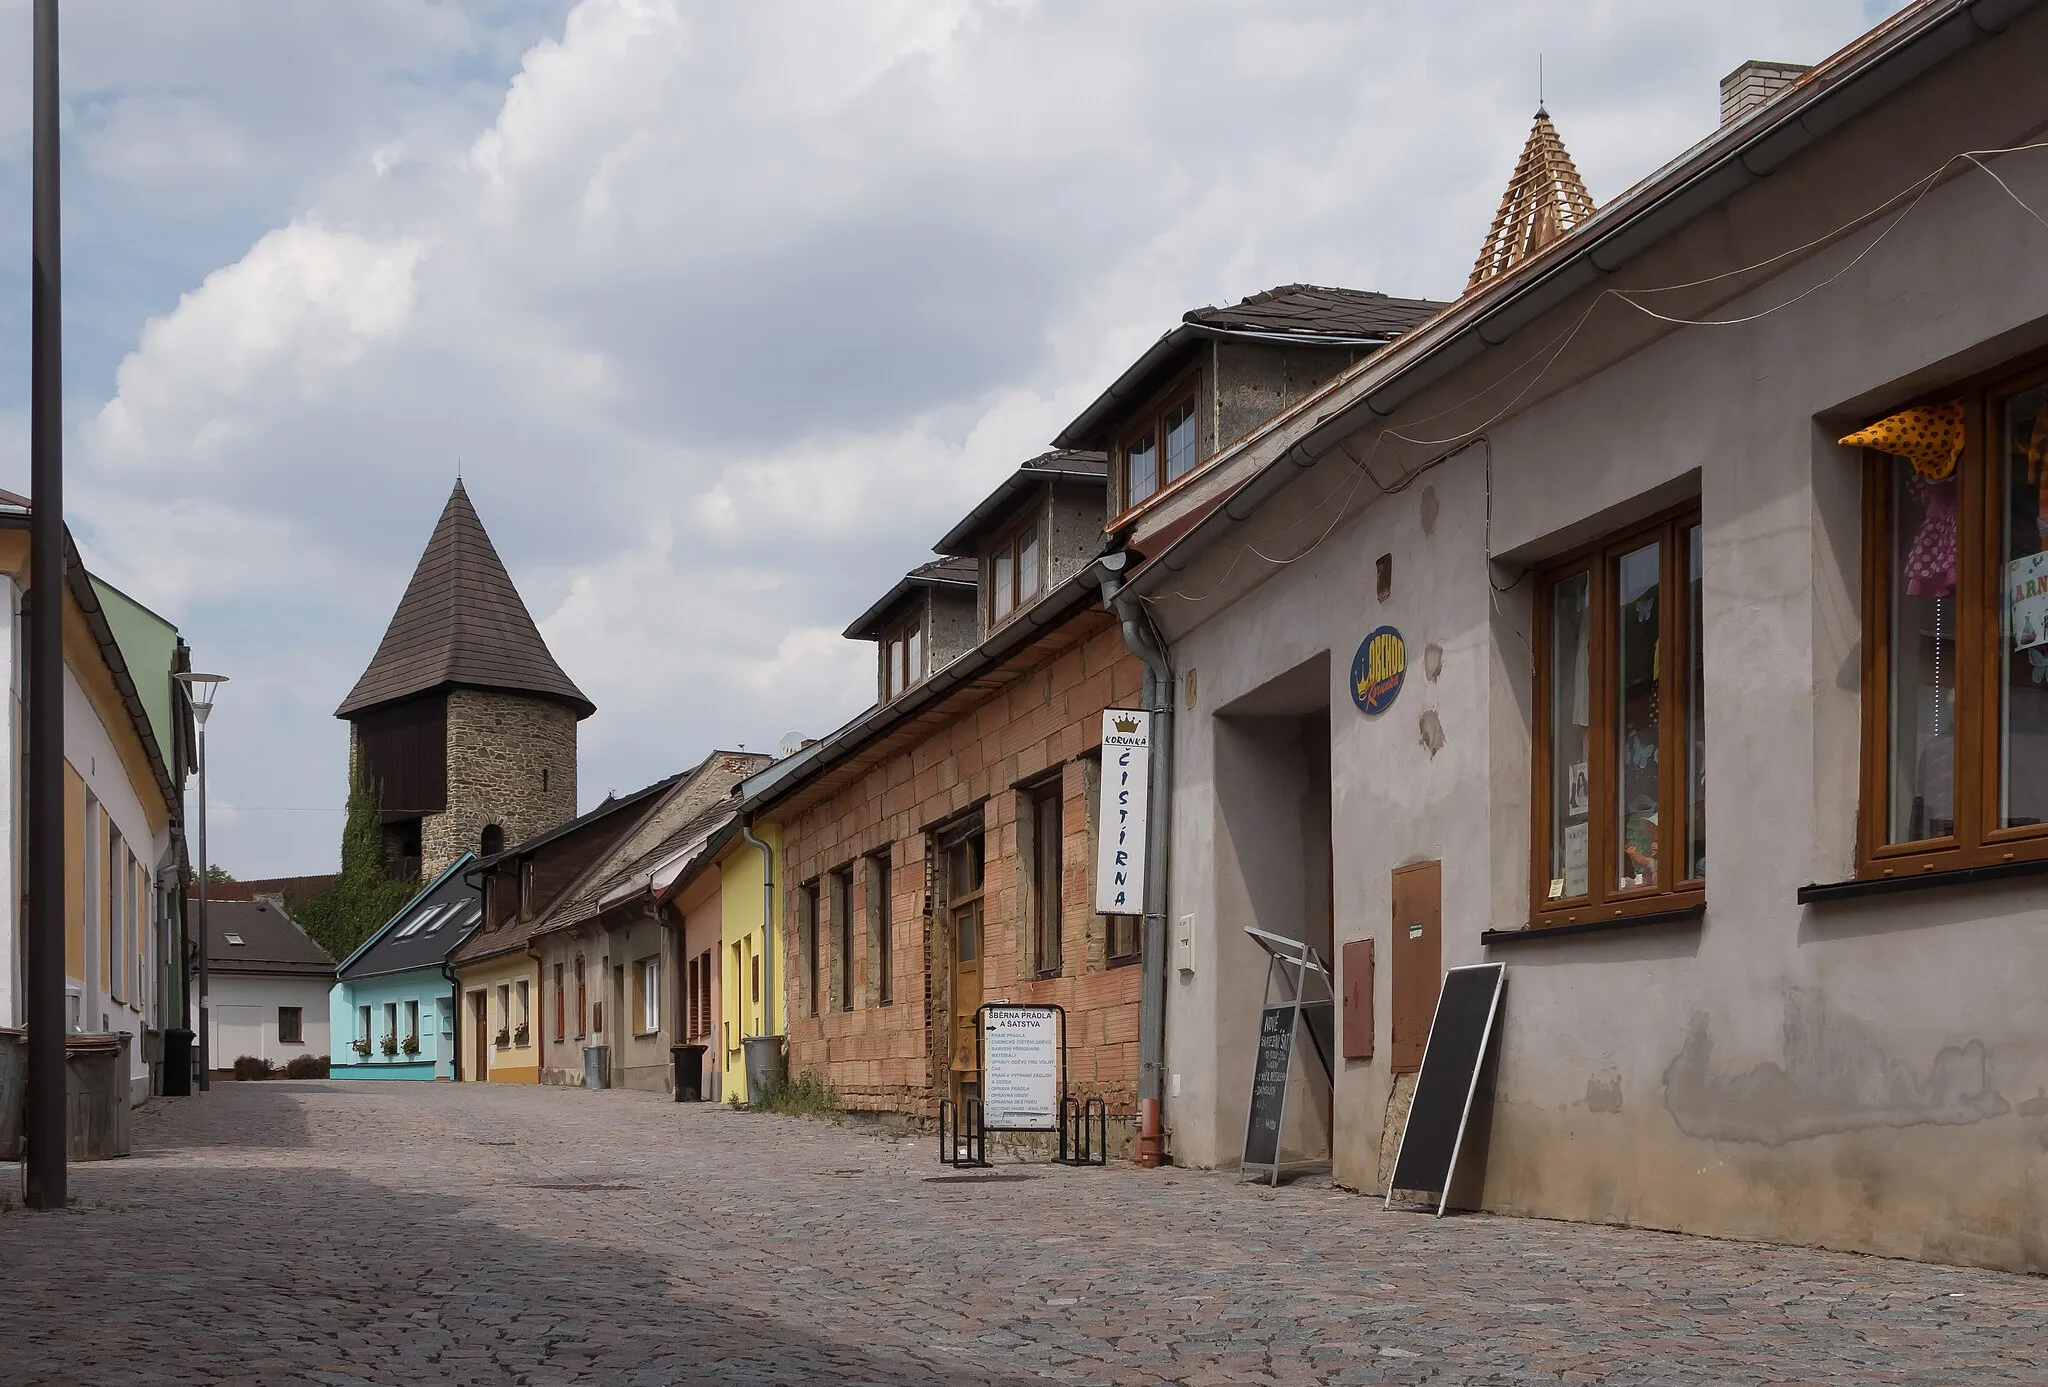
597	1066
767	1065
96	1096
13	1090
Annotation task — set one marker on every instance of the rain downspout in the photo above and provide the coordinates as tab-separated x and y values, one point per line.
1143	641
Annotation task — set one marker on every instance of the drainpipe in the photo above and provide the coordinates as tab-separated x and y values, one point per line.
1142	640
767	930
455	1045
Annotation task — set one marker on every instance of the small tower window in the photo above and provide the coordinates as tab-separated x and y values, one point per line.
543	779
493	840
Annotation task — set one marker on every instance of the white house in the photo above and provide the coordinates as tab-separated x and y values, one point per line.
268	987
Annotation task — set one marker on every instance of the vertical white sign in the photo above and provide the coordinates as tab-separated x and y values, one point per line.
1120	822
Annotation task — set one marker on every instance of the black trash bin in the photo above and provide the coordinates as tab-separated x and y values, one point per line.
689	1062
178	1062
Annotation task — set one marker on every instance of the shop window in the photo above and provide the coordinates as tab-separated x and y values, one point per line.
1162	449
1620	793
291	1026
1956	632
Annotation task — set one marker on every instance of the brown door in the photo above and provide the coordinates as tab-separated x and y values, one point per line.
1416	959
963	907
480	1016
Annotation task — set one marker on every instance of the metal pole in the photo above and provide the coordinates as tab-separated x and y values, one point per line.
44	1182
205	940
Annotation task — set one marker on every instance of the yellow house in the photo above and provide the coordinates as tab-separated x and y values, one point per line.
750	981
497	1033
127	734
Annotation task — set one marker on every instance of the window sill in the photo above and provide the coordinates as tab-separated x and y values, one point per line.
1681	915
646	1035
1827	892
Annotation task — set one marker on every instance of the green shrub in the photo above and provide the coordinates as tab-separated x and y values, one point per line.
250	1067
807	1095
306	1067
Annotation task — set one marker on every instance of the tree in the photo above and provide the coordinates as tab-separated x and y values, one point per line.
217	875
363	895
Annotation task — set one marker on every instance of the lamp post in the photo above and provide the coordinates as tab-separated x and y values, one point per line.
45	1175
199	692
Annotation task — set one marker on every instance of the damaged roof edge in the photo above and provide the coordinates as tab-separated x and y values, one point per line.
1744	153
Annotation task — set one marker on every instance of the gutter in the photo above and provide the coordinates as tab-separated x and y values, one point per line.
1725	164
1143	641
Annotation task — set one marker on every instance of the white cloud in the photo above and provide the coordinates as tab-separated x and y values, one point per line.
727	311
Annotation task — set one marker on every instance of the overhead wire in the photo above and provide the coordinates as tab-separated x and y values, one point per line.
1548	355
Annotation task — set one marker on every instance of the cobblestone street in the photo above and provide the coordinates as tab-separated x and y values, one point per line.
401	1233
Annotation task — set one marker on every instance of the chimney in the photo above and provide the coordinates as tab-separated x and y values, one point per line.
1753	84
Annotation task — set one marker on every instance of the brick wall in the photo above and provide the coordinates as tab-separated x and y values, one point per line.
1037	727
511	762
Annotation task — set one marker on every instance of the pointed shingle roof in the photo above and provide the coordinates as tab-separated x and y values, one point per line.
1545	199
461	623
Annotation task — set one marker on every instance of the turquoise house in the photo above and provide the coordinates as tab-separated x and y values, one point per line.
393	1004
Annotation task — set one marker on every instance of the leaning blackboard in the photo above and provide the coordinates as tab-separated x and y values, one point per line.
1450	1070
1269	1086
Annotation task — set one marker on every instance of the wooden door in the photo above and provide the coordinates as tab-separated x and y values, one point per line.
480	1017
1416	960
964	916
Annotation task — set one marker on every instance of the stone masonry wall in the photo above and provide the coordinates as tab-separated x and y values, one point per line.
1043	723
511	762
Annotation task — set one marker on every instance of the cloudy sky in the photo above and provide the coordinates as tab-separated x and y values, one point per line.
724	311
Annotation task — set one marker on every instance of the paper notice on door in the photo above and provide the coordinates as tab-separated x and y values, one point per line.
2026	589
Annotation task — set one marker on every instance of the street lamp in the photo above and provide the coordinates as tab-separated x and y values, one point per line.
199	692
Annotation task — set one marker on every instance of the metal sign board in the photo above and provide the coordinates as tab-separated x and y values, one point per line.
1299	1000
1466	1011
1020	1075
1126	784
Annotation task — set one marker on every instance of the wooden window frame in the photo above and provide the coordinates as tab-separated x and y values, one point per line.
1152	425
881	882
561	1007
901	667
1597	559
1010	546
582	1001
1980	639
298	1027
1047	877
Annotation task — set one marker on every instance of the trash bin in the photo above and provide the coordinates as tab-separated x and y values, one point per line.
767	1065
178	1063
597	1066
13	1090
689	1062
96	1096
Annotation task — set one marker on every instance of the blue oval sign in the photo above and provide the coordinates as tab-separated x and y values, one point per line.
1377	671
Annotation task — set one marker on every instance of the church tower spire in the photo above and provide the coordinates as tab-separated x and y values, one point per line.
1545	199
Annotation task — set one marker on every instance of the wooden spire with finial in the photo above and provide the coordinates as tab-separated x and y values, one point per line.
1545	199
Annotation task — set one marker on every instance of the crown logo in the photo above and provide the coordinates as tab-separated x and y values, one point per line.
1126	725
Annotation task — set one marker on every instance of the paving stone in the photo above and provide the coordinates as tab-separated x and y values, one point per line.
409	1233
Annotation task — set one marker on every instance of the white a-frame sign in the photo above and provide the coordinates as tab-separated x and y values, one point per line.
1126	784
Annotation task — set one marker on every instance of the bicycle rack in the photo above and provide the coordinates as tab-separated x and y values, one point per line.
1084	1132
962	1147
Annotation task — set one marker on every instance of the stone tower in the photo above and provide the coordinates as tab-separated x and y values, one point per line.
463	719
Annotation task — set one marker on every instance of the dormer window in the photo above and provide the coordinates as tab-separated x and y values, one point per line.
1014	577
1162	450
903	656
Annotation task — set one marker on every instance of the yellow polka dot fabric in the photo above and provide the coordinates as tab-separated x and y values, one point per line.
1928	436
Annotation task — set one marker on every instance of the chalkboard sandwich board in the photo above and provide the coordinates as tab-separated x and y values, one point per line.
1458	1037
1270	1072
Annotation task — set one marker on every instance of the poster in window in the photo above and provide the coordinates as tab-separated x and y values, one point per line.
2027	600
1578	792
1576	838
